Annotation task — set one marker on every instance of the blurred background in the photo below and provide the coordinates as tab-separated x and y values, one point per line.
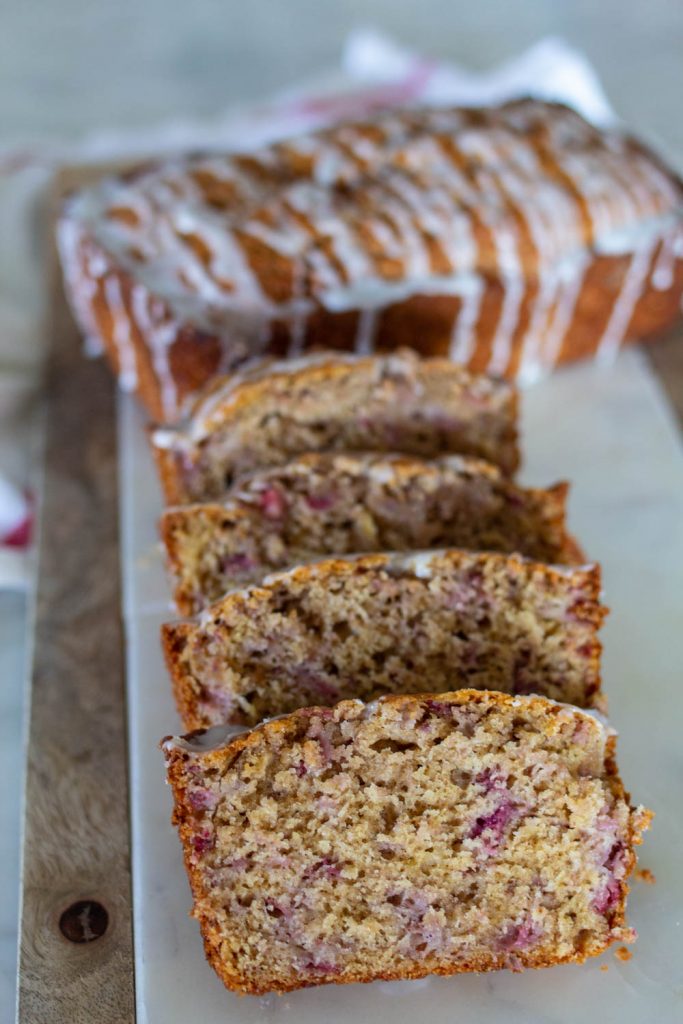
69	66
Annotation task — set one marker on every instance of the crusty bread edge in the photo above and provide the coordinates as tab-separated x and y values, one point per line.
554	500
183	683
167	463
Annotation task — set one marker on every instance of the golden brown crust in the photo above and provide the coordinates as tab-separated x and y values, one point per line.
574	554
169	524
247	389
339	567
424	324
174	636
170	476
236	983
224	755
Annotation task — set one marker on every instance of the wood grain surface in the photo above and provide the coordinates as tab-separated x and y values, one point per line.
76	857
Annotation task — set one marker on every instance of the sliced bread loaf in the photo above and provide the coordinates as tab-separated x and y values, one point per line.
332	402
389	624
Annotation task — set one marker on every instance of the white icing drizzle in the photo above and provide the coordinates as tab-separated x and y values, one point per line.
398	203
414	181
204	740
83	285
507	324
128	375
365	336
548	217
93	346
378	294
159	338
297	334
465	323
297	324
622	311
166	440
627	238
568	293
663	270
420	563
530	364
506	239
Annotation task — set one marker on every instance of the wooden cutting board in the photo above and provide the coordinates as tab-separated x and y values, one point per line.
76	953
76	959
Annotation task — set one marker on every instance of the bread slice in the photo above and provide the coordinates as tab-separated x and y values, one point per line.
389	624
419	835
332	402
327	503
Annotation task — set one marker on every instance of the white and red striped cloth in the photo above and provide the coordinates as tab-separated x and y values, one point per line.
374	73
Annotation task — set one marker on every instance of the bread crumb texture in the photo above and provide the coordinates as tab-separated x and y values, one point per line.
391	403
435	834
322	504
389	624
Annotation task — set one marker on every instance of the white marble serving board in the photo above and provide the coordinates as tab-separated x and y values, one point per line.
610	431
